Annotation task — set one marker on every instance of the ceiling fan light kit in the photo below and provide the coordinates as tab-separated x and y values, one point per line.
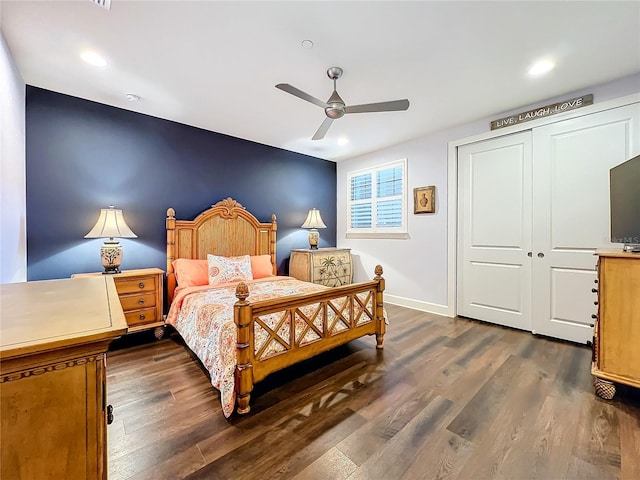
335	107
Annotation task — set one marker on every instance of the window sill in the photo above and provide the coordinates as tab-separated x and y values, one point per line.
399	236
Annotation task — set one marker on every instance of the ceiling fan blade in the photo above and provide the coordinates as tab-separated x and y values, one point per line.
322	130
285	87
392	106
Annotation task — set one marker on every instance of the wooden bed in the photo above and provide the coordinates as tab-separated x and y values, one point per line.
340	314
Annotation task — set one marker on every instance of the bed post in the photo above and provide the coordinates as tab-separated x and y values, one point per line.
171	252
380	320
244	374
272	243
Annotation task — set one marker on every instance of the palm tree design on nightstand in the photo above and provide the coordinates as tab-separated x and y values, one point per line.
333	271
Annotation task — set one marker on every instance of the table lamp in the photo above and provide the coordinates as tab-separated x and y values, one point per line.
313	222
111	225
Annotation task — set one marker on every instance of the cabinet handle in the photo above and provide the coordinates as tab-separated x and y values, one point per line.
141	317
594	316
594	290
540	255
141	285
141	301
595	281
529	254
109	414
595	303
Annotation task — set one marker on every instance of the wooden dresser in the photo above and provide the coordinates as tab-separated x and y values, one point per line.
53	341
140	294
616	342
326	266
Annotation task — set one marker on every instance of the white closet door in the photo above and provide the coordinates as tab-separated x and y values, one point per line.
572	159
494	225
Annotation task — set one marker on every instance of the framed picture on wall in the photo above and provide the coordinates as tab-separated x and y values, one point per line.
424	199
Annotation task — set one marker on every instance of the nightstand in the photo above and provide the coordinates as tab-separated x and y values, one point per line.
140	293
325	266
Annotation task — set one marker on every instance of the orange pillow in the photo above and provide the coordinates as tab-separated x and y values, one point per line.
191	273
261	266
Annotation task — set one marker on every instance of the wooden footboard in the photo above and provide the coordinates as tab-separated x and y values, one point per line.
274	334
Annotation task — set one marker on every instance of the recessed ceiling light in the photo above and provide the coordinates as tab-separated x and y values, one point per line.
343	141
93	58
541	67
308	44
132	97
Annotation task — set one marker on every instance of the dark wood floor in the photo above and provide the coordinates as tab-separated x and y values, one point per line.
447	398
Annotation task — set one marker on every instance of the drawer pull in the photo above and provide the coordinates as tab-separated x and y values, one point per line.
594	316
141	301
141	284
142	317
109	414
594	290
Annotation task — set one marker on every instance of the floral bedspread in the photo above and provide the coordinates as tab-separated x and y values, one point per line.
203	316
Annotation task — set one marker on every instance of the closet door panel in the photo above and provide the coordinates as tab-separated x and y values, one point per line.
571	166
495	231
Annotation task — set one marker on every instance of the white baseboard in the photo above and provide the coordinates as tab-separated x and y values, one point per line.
419	305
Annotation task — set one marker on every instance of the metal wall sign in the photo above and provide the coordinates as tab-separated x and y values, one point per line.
542	112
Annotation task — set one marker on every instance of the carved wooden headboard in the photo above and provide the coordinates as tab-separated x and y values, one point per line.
225	229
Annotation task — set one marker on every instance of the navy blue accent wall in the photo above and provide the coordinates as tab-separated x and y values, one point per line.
83	156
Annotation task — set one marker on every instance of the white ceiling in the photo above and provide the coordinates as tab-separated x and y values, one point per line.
214	64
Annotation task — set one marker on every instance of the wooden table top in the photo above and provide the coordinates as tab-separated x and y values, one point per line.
50	314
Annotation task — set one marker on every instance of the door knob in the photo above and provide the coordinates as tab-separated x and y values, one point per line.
540	255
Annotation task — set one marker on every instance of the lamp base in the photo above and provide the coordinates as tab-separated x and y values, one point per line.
111	256
110	272
314	237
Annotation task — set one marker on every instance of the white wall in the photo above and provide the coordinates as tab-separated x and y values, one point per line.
415	269
13	239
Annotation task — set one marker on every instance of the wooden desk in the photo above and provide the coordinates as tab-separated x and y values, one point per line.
54	336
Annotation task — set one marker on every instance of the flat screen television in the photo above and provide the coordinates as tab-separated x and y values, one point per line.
624	189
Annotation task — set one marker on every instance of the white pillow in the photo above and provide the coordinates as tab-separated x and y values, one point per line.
229	269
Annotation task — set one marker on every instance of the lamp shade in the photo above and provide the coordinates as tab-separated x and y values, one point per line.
111	224
314	220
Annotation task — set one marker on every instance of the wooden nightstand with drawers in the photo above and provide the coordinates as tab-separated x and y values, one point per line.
140	293
326	266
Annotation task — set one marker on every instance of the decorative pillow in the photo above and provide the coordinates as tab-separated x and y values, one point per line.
229	269
261	266
191	273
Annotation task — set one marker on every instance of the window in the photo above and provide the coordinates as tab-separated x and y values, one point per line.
376	201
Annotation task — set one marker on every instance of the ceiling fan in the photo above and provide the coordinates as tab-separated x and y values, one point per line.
335	107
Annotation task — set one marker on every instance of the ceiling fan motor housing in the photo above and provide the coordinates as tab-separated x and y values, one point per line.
334	110
335	106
